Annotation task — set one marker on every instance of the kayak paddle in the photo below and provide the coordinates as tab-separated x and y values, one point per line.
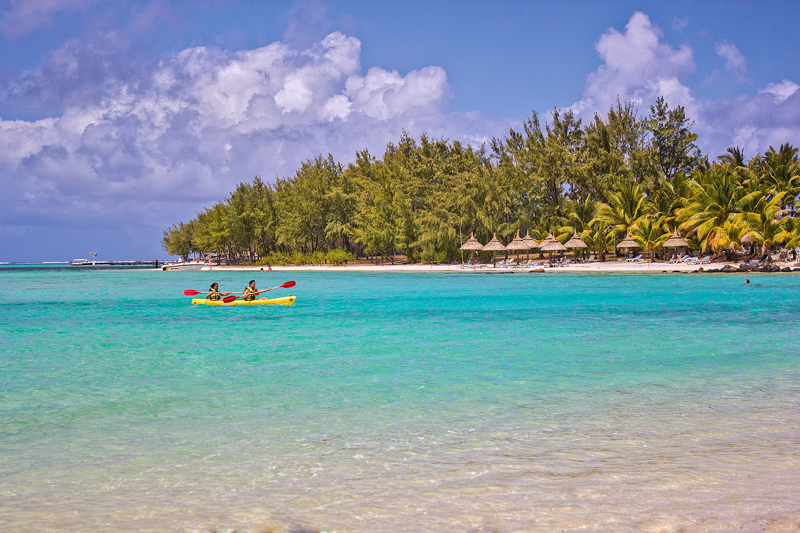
284	286
191	292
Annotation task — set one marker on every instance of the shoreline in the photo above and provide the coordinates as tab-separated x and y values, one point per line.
608	266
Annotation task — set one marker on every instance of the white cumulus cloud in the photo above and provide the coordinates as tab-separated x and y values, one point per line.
639	67
636	67
150	144
734	60
782	90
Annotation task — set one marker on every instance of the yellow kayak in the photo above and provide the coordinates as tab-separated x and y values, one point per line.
286	300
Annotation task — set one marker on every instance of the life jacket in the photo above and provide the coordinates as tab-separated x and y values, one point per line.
213	295
251	296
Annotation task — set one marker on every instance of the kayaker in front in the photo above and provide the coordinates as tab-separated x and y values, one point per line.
251	293
214	294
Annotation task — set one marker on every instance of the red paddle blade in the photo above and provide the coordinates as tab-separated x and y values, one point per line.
190	292
229	299
288	284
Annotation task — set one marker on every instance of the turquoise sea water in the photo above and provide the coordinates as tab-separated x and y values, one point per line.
400	402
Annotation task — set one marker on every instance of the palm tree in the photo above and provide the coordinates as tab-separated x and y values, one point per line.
780	171
649	234
579	218
717	197
790	235
765	224
600	238
625	206
730	236
733	158
667	199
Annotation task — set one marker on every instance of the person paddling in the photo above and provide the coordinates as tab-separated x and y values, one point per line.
214	294
250	292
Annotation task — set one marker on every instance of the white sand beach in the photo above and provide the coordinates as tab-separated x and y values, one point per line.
606	266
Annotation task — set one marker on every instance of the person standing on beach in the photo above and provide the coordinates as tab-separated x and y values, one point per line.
214	294
250	292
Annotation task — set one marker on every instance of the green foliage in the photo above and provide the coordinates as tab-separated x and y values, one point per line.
599	237
649	234
277	258
422	198
338	256
177	240
673	140
626	204
297	258
316	258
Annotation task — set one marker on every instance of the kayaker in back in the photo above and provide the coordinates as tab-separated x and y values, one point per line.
214	294
250	292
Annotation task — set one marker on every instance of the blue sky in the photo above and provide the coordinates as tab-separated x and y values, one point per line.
120	118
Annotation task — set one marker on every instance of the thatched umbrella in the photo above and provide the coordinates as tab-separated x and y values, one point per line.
551	244
628	242
675	241
517	244
547	240
493	246
749	239
530	243
471	244
575	242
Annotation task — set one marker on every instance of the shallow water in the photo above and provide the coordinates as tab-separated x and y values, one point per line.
400	402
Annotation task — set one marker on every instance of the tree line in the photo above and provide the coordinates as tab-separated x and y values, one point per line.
621	175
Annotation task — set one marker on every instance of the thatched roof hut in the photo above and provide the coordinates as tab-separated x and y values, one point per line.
529	241
675	241
517	244
494	245
575	242
551	244
472	244
628	243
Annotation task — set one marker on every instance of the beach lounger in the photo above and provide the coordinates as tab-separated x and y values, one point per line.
677	260
637	259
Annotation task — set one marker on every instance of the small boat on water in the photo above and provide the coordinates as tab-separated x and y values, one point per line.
183	265
286	300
